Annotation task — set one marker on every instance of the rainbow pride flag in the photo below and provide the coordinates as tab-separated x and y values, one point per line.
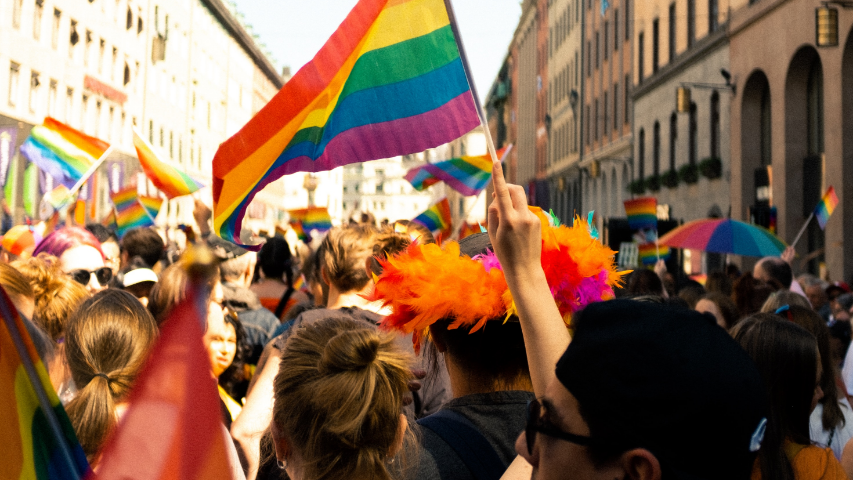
130	211
280	231
31	449
390	81
437	218
312	218
642	213
152	205
110	220
649	253
61	151
467	175
468	229
826	206
168	179
301	234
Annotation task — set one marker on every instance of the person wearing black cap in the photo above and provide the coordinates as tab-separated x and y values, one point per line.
640	391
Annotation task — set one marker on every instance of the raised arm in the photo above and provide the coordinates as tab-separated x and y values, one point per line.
516	234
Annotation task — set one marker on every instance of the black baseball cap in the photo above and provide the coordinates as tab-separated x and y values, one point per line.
670	381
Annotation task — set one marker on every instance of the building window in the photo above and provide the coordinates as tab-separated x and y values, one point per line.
627	101
766	133
151	132
98	106
54	33
595	122
114	62
126	79
17	6
691	22
616	30
34	87
38	12
587	126
627	20
102	45
641	155
162	137
87	49
606	113
73	38
814	115
69	103
641	57
672	32
606	38
588	58
656	150
615	107
380	187
171	144
139	22
694	128
597	49
713	15
51	97
84	112
715	125
14	81
673	139
129	21
655	45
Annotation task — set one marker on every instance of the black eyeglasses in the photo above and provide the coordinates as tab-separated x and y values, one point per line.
535	424
103	274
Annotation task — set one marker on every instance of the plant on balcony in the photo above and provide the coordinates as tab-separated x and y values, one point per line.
669	179
637	187
689	173
652	183
711	167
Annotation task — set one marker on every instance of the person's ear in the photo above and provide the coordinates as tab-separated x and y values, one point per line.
325	276
281	444
437	340
401	436
640	464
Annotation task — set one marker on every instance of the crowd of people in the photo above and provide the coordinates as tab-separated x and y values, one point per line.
383	355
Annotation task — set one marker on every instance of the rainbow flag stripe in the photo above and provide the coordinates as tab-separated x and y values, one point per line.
642	213
648	253
29	448
388	82
168	179
61	151
467	175
152	205
437	218
296	225
124	198
826	206
280	231
130	211
312	218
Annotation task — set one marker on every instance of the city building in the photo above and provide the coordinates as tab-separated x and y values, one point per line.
682	98
186	75
791	127
379	188
472	209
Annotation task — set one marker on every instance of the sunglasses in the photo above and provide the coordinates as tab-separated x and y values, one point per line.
536	424
103	275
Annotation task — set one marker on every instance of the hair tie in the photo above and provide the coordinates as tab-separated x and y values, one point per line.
104	376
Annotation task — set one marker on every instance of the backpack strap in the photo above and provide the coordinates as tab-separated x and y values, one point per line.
469	444
282	303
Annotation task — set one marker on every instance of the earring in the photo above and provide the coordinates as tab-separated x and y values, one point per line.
282	464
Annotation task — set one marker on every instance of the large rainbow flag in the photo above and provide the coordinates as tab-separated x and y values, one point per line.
437	218
36	444
642	213
826	206
390	81
467	175
312	218
61	151
168	179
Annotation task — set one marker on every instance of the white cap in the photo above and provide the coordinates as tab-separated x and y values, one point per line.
138	276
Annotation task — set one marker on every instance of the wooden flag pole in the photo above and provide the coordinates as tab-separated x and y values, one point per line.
802	230
455	231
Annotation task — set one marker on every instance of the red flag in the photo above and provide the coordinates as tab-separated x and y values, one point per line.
172	428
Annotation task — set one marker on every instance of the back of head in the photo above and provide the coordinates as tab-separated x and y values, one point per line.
102	233
777	272
415	231
56	296
66	238
749	294
145	243
275	258
787	357
726	307
171	290
106	346
233	268
389	242
781	298
691	291
667	380
339	397
719	282
345	251
644	282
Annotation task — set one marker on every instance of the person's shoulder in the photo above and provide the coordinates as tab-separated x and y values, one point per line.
437	460
819	463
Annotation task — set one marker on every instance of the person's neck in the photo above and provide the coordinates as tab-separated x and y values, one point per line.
352	298
462	383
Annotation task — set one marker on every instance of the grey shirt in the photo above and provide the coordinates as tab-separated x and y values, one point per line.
500	417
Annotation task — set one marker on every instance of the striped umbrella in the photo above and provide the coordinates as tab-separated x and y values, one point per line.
724	235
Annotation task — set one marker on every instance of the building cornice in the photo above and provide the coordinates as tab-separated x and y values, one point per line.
701	48
751	13
218	8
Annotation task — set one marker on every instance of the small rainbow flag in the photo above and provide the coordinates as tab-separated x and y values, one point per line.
390	81
61	151
31	449
649	253
312	218
437	218
152	205
642	213
110	220
168	179
826	206
467	175
296	225
130	212
280	231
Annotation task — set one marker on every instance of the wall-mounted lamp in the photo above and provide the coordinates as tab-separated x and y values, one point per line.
682	100
826	26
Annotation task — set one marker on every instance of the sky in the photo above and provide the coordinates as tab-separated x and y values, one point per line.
294	30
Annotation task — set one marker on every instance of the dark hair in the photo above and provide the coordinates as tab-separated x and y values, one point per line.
719	282
726	306
786	355
644	282
145	243
274	259
102	233
778	270
233	379
750	294
691	292
811	321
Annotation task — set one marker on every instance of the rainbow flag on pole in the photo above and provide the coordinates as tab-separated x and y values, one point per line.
390	81
826	206
312	218
467	175
168	179
61	151
437	218
650	252
642	213
38	441
130	210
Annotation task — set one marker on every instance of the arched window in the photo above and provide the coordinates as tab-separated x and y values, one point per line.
673	138
656	150
715	125
815	109
694	129
765	128
641	155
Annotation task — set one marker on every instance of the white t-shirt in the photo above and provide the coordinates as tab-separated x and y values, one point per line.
842	433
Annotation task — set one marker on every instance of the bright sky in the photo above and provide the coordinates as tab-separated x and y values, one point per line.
294	30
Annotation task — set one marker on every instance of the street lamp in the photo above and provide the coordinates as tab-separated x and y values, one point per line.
826	22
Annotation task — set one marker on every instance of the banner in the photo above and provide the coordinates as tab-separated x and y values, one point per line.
7	151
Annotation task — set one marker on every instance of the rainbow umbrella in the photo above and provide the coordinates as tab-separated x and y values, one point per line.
724	235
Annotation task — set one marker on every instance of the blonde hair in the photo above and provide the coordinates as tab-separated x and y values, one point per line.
345	251
339	396
14	283
107	343
56	295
